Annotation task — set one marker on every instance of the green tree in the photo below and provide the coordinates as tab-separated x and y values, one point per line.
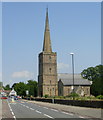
13	85
94	74
20	88
7	87
32	87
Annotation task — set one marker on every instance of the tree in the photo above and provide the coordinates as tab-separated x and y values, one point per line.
13	85
89	73
20	88
7	87
32	87
94	74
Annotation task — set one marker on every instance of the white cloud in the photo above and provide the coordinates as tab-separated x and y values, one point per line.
22	74
62	66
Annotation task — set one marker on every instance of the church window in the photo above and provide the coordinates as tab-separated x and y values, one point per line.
50	70
49	57
50	81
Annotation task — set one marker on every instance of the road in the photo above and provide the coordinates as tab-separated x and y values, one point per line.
23	109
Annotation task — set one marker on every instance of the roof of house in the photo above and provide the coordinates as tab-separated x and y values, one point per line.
67	79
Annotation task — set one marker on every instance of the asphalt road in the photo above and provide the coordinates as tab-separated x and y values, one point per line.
23	109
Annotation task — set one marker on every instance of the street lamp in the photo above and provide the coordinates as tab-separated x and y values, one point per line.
72	54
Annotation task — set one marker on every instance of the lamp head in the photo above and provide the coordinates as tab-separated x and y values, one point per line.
71	53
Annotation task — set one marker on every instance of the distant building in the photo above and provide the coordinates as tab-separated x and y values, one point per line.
65	85
13	93
4	92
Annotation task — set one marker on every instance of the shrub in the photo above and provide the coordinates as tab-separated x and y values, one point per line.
99	97
46	96
73	95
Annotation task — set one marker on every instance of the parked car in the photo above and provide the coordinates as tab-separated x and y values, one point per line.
3	97
15	98
19	97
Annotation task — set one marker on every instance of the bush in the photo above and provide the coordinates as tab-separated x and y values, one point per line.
46	96
73	95
99	97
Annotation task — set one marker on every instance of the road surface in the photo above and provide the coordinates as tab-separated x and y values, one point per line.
20	109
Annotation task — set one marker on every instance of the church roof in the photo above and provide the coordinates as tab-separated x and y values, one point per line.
67	79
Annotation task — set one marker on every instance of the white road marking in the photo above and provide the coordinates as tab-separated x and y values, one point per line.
81	117
10	109
38	111
14	117
27	106
12	113
32	109
45	107
48	116
54	110
68	113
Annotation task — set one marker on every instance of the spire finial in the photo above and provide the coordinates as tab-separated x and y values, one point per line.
47	8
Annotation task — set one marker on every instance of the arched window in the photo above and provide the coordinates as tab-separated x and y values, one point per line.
50	70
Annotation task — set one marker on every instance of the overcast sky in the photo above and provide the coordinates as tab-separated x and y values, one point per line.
74	27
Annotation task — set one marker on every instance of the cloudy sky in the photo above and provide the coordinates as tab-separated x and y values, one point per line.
74	27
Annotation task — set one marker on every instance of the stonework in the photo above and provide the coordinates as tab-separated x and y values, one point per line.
47	78
67	90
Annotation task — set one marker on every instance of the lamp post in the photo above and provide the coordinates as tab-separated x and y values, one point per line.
72	54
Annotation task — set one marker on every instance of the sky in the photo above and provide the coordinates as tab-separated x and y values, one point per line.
74	27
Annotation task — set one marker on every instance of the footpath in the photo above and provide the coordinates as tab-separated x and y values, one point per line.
93	113
5	112
0	109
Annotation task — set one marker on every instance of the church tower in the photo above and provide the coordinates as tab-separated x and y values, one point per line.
47	78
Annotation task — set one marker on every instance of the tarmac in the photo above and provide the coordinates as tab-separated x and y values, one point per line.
93	113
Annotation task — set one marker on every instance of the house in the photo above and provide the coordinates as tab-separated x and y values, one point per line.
13	93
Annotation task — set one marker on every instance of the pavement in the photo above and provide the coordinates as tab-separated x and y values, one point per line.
83	111
0	109
6	113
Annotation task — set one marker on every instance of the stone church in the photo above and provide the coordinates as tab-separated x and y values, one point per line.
47	78
49	82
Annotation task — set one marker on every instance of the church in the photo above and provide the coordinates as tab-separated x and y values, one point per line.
47	78
49	82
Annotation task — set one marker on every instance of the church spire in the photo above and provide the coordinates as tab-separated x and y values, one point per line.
47	41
